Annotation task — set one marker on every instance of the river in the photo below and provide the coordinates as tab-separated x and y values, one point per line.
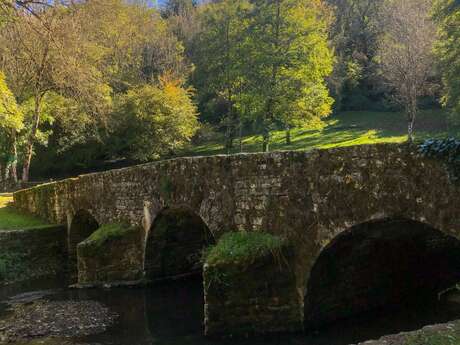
172	314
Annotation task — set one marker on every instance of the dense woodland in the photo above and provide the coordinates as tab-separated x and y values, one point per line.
85	84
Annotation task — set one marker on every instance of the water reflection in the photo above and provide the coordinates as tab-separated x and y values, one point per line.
172	314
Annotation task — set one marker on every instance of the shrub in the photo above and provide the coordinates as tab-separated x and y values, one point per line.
243	246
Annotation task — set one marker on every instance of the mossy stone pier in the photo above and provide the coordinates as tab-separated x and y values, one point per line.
325	204
249	286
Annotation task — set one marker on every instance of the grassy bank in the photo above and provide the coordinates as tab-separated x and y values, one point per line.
12	219
345	129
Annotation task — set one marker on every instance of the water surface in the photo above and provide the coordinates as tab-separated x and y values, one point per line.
172	314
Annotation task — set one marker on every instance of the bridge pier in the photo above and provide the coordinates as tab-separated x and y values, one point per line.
246	296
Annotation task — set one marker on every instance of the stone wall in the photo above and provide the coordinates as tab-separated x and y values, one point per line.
32	253
118	259
309	198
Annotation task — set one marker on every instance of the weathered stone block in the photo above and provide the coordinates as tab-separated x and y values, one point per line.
252	296
113	257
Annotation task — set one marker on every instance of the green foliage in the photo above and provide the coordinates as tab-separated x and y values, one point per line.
154	121
243	247
220	61
264	61
11	117
356	82
289	61
447	150
106	233
11	122
178	7
448	51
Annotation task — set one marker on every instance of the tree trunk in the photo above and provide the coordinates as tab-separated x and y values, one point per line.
14	163
412	111
229	142
288	135
31	140
266	140
240	134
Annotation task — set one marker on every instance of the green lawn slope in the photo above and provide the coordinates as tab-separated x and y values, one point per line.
345	129
12	219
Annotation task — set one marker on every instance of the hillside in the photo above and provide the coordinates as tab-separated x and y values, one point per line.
344	129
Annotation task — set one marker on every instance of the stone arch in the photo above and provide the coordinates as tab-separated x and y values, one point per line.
175	242
379	263
82	225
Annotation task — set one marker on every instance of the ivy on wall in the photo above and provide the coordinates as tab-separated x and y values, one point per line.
447	150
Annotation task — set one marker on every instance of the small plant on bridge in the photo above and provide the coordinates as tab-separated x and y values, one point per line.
243	246
448	150
235	249
107	232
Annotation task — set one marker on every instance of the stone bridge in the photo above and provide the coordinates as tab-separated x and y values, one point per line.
366	224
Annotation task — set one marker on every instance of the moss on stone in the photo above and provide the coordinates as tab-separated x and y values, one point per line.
107	232
243	247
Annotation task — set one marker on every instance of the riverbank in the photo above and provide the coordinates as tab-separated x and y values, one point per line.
29	247
441	334
31	253
31	320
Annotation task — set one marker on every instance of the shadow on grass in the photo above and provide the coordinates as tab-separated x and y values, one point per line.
345	129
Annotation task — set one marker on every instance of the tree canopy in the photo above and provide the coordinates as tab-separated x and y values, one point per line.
447	13
90	82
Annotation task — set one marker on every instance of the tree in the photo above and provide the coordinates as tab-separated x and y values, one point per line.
447	14
181	16
219	61
288	61
178	7
37	62
153	121
405	53
134	44
355	82
11	122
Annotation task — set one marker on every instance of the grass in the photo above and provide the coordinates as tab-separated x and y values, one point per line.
12	219
345	129
242	246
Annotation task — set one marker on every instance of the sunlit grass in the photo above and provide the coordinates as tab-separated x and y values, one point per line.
345	129
12	219
5	199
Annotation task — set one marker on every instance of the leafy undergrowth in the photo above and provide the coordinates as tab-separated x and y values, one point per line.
447	150
107	232
243	246
12	219
345	129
